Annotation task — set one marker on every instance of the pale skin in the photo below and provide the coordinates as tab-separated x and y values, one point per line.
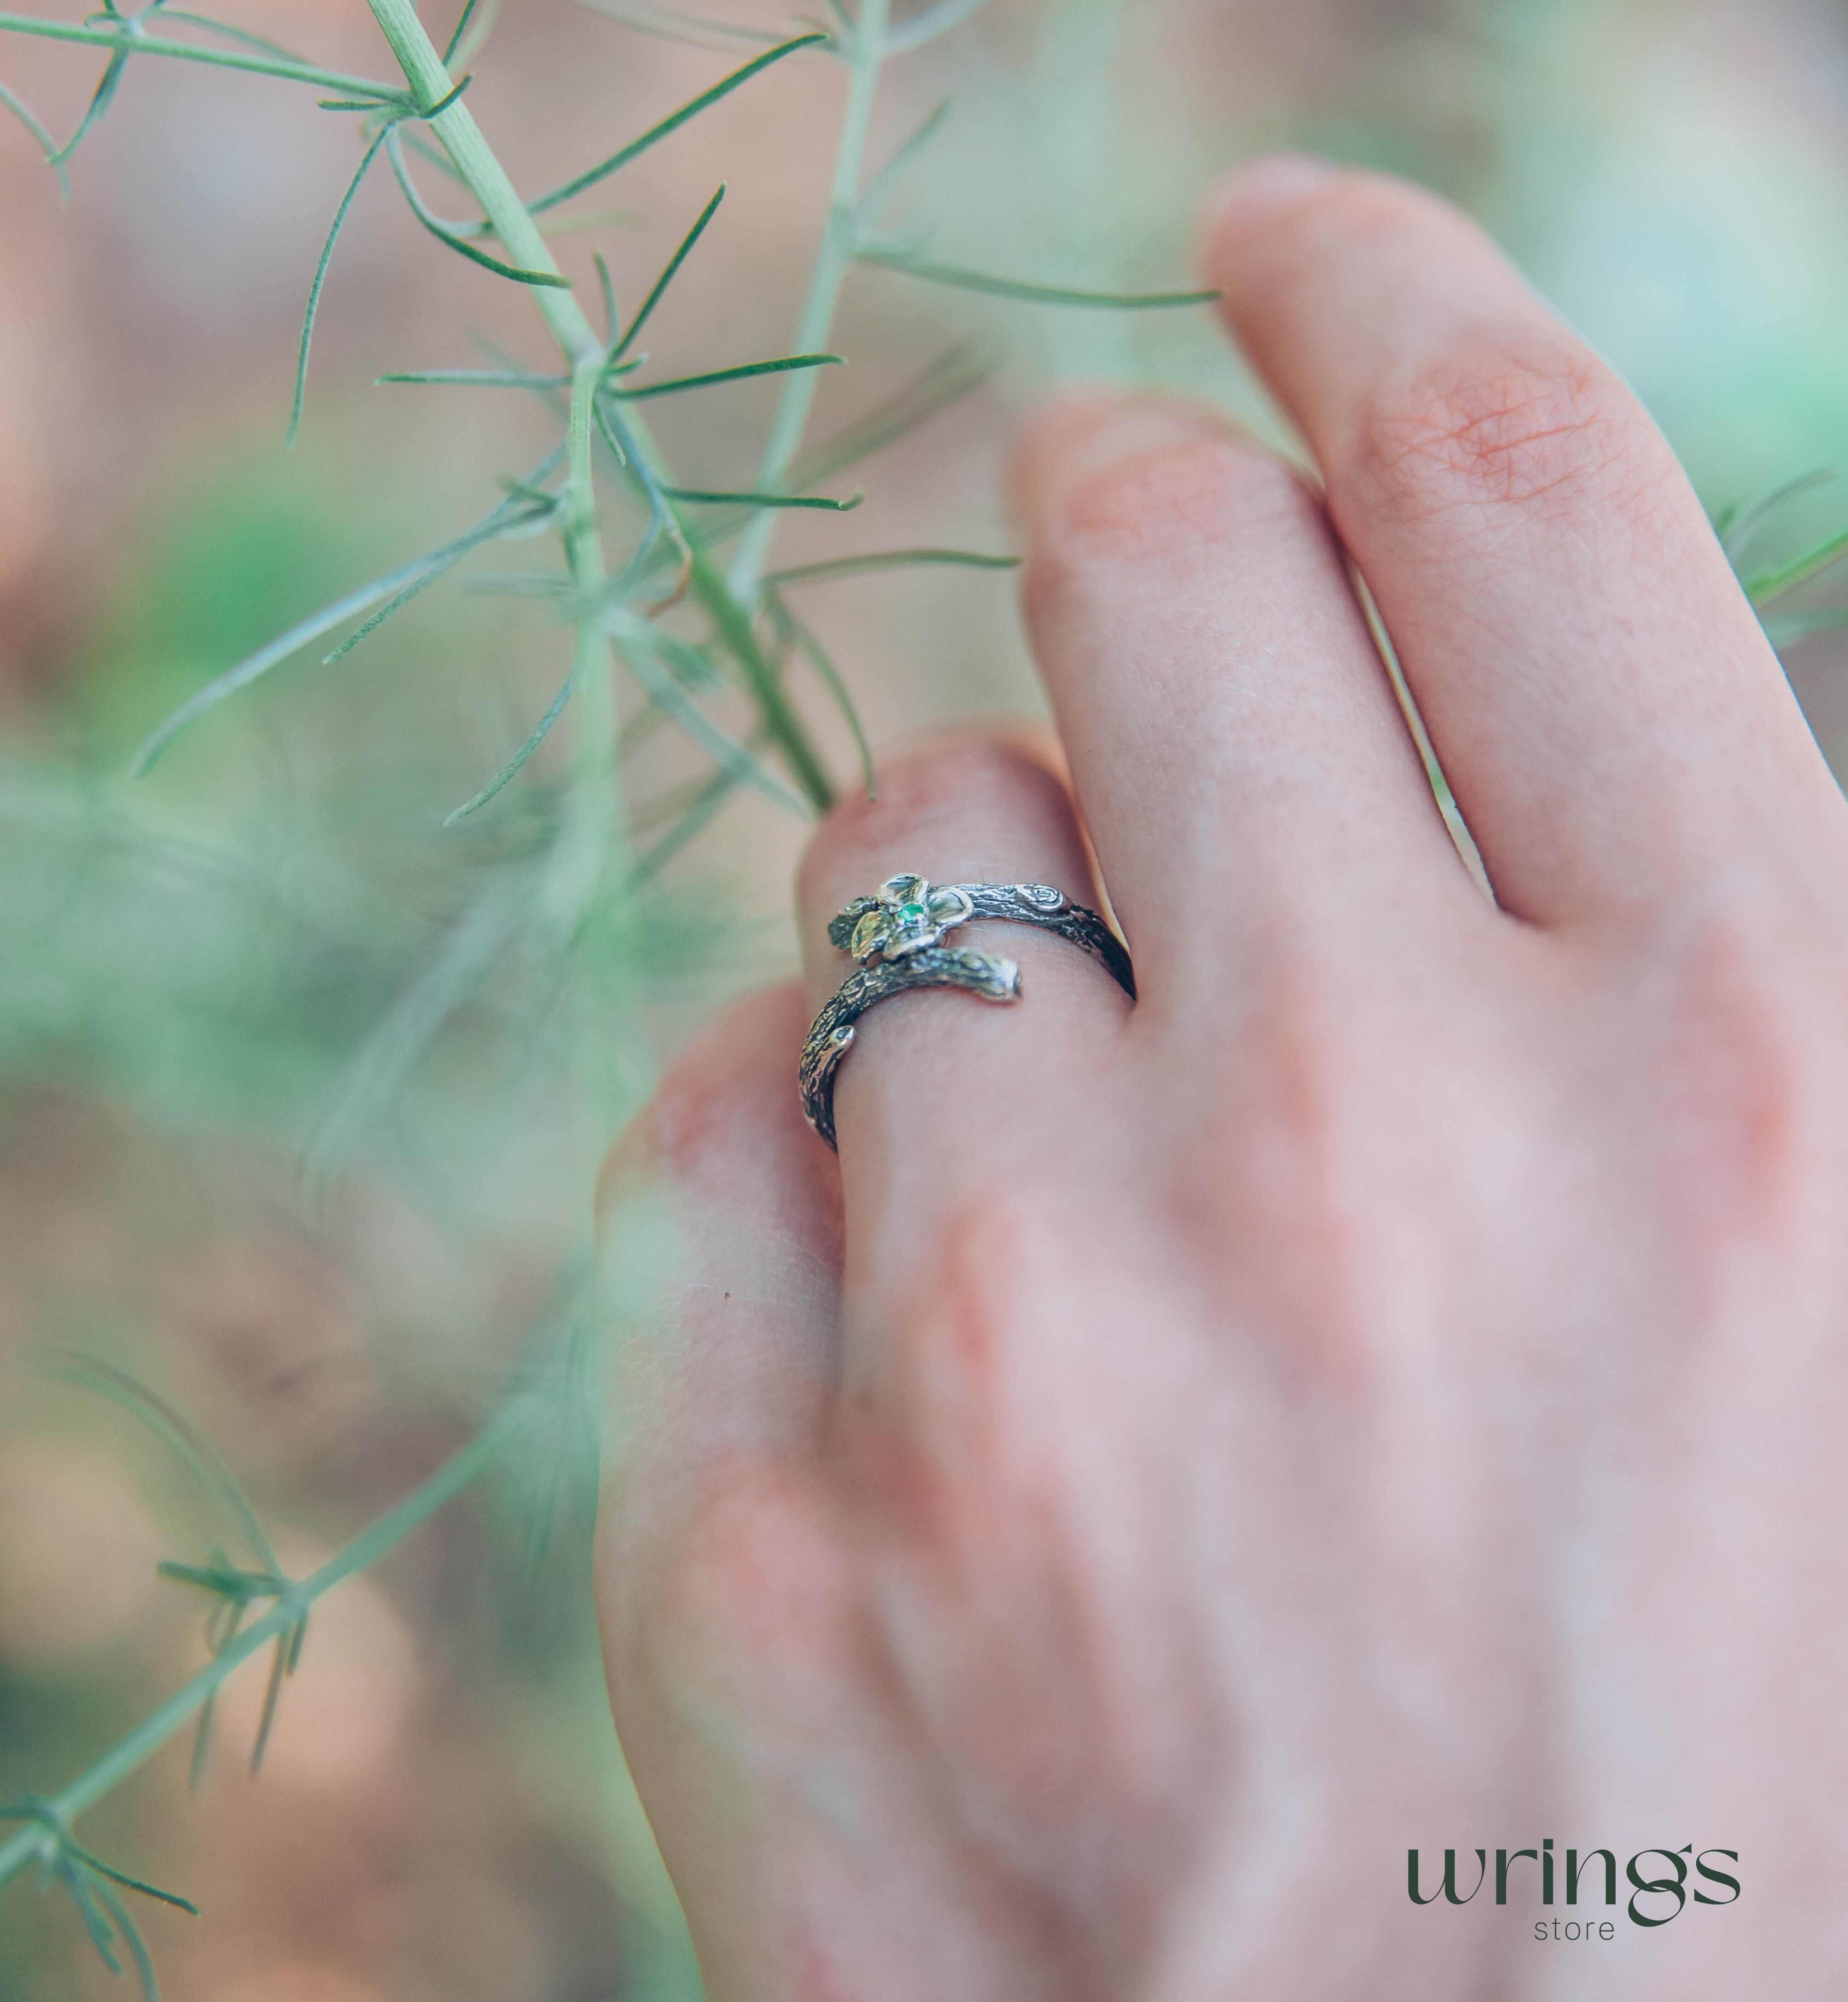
1388	1389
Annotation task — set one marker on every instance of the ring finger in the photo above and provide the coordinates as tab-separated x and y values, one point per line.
944	1091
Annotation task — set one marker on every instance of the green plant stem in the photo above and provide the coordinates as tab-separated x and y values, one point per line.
475	160
372	1543
739	631
140	44
833	260
961	278
593	818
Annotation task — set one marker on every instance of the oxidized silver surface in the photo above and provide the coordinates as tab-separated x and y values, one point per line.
896	935
877	927
831	1037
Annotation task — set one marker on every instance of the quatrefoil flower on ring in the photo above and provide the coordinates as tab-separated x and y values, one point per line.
907	914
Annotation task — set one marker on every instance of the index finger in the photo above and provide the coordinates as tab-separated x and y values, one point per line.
1600	695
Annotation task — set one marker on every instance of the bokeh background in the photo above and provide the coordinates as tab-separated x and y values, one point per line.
290	1126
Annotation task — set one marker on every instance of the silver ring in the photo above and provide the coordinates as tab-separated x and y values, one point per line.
896	935
907	914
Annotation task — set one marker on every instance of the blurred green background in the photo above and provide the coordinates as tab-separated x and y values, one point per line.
293	1123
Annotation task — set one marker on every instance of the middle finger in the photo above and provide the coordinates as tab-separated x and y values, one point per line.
1242	764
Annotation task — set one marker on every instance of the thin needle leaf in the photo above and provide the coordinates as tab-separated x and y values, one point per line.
711	796
508	363
202	1459
102	1869
884	559
511	512
672	123
1735	525
765	499
738	375
955	373
510	770
467	47
320	279
476	378
659	808
646	648
955	275
607	285
99	103
125	43
436	570
137	1946
41	1840
383	1063
819	658
932	22
279	1660
696	31
541	498
635	567
47	145
446	233
83	1894
241	36
518	585
1765	590
880	188
234	1591
460	30
217	1578
668	275
448	98
432	156
202	1743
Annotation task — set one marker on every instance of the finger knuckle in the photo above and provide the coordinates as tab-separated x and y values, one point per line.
1756	1077
709	1109
1309	1200
968	1354
984	1468
1301	1078
744	1589
696	1111
932	785
1498	423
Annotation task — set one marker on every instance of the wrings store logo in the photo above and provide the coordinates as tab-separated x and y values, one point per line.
1658	1880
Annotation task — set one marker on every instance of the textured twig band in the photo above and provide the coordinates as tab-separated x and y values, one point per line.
897	937
831	1036
1037	904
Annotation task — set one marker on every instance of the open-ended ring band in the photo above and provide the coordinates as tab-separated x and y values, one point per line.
1036	903
897	937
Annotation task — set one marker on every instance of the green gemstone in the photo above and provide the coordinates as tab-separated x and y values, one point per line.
911	914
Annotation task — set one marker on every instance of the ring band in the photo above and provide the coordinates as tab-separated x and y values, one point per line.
1036	903
833	1034
897	937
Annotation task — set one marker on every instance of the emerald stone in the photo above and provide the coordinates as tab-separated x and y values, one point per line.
911	914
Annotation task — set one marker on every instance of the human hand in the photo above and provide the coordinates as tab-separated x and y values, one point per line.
1385	1391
